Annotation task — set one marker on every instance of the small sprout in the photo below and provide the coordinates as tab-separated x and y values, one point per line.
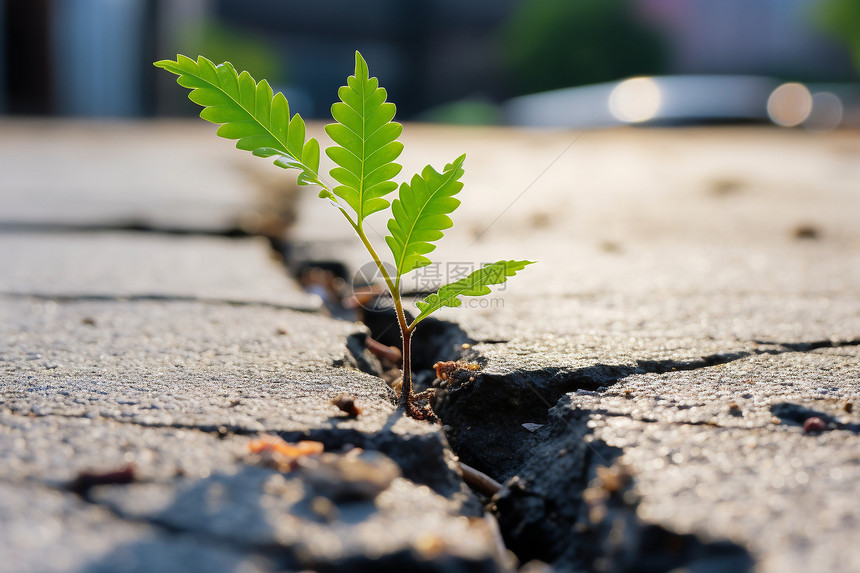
346	403
366	145
814	424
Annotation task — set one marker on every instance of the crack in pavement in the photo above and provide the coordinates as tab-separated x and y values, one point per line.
483	419
11	227
558	381
221	430
60	298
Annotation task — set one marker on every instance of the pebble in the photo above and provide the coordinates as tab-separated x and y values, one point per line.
814	424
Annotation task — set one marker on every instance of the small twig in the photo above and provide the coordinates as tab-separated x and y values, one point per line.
84	481
390	353
479	481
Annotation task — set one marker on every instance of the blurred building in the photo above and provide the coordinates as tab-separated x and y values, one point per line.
755	37
76	57
93	57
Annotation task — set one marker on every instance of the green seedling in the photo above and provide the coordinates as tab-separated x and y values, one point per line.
364	152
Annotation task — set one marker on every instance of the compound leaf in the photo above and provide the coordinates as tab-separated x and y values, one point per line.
420	215
248	112
365	143
476	284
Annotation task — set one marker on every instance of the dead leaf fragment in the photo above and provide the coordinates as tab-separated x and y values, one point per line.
281	455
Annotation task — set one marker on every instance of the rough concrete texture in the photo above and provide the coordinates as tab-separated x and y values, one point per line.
178	389
138	368
697	300
213	367
179	363
166	175
46	530
200	502
111	265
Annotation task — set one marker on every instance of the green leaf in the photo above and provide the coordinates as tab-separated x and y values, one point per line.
366	143
249	112
421	214
476	284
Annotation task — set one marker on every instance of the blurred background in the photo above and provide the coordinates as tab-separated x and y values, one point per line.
564	63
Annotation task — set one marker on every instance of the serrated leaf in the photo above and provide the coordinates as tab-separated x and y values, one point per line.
365	143
420	214
476	284
248	112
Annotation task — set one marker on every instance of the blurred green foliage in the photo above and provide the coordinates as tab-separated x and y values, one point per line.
464	112
244	50
549	44
841	18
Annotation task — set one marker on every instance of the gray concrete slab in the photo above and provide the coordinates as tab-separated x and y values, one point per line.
174	175
200	501
45	530
166	354
113	265
696	302
180	363
697	299
173	388
611	190
721	453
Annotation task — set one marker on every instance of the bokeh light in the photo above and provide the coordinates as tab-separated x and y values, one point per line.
789	104
826	114
635	100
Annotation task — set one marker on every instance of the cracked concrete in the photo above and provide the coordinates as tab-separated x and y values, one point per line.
160	357
108	266
163	175
692	285
664	331
682	325
44	529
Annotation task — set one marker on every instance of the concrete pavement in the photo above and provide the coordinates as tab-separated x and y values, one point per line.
697	301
